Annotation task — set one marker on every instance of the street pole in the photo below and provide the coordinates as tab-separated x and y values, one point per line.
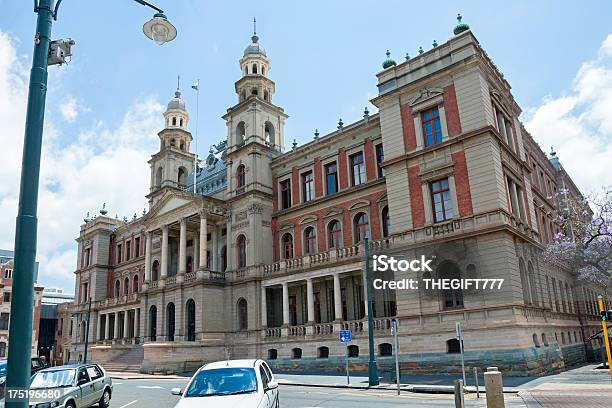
87	332
372	369
20	329
460	338
605	334
396	352
348	378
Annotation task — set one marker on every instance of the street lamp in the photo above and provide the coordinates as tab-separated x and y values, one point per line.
20	329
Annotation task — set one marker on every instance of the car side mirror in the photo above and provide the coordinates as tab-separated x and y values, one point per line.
272	385
176	391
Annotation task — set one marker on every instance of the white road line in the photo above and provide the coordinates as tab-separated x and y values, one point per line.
128	404
154	387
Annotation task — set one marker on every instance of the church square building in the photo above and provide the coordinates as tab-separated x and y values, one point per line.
264	257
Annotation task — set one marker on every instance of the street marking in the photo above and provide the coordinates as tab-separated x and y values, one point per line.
129	403
151	387
116	383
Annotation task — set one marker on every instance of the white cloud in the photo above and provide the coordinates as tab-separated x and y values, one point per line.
105	164
577	122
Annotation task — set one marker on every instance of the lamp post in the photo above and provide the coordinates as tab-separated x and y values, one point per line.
372	368
20	330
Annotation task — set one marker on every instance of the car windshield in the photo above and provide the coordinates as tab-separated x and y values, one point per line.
222	381
53	379
2	368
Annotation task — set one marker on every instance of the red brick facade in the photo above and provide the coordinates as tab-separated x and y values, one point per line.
408	128
370	159
452	111
416	197
318	178
342	170
462	185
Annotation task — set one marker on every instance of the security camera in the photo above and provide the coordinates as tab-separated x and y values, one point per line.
60	51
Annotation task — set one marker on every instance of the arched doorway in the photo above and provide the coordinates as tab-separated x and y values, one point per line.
190	312
243	320
171	325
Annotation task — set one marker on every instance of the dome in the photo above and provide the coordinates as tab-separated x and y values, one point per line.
460	27
254	48
177	102
389	62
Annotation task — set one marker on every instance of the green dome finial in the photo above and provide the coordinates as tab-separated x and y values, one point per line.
103	210
388	63
421	50
407	56
460	27
434	44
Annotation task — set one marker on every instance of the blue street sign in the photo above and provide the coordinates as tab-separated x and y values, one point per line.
346	336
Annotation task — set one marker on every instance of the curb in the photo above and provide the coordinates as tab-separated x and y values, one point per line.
422	389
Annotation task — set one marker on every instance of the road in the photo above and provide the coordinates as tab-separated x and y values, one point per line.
156	393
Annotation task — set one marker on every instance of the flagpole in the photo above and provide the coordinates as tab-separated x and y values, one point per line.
195	163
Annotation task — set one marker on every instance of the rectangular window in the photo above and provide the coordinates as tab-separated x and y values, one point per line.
441	200
331	178
128	250
432	130
4	321
119	253
307	186
84	294
380	157
504	126
136	247
285	187
7	297
358	173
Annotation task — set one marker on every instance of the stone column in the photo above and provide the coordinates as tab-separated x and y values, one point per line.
310	300
147	274
116	331
195	264
107	326
203	234
183	247
285	304
264	308
137	322
164	253
99	328
337	298
126	324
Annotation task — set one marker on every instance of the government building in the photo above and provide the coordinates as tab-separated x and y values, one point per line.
258	250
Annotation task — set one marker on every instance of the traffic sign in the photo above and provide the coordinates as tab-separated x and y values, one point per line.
346	336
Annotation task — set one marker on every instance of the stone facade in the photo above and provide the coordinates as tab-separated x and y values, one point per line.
271	265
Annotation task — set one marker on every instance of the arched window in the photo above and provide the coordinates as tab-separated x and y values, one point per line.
126	286
310	241
544	339
158	177
287	246
241	251
453	346
267	95
117	288
153	323
254	68
360	227
563	337
353	351
181	122
246	70
323	352
155	271
334	234
452	298
272	354
170	325
240	133
182	142
223	265
243	321
296	353
254	92
269	131
135	287
385	349
182	176
2	350
263	70
240	176
174	121
532	283
536	341
190	314
386	222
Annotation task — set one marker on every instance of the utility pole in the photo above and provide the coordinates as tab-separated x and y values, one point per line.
372	369
394	327
605	332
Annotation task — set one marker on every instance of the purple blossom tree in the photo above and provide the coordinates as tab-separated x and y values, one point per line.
586	241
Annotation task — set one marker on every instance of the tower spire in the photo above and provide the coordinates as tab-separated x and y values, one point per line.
254	26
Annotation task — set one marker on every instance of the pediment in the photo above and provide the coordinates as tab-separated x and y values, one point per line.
169	202
425	94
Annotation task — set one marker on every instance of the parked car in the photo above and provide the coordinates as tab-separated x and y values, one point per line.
72	386
37	364
230	384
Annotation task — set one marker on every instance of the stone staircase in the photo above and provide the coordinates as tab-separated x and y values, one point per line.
129	361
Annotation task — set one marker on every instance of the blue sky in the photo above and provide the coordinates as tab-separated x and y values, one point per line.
104	109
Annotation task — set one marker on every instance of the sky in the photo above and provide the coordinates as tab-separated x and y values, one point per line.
104	108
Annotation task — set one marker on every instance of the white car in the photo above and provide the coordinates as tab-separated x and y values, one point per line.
230	384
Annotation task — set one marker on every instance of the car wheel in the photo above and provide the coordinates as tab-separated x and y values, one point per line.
105	399
70	405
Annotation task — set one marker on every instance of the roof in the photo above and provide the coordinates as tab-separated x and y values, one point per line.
250	363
